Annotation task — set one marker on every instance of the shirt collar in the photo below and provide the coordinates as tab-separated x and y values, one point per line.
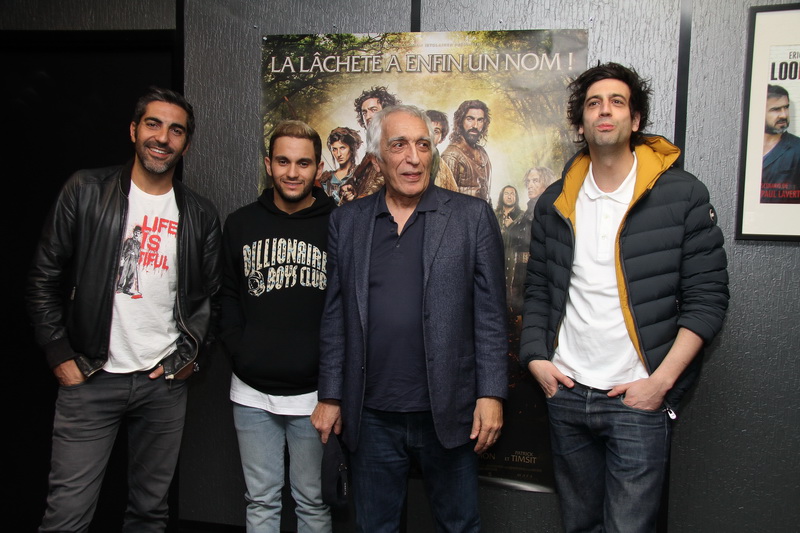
624	192
427	202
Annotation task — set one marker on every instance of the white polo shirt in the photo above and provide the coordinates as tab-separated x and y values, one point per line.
594	347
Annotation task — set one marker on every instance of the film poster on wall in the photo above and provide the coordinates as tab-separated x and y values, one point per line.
769	184
498	102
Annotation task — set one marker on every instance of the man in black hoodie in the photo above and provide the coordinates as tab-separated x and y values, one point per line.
275	254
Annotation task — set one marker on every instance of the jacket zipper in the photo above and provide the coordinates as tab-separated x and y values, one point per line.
667	408
178	306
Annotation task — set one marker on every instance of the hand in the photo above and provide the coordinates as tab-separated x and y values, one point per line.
157	373
548	376
486	423
67	374
327	417
646	394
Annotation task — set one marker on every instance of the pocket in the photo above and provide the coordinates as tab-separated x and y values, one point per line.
657	411
73	387
559	388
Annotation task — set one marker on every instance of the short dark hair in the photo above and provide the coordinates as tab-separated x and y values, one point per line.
299	130
638	103
439	118
348	136
776	91
159	94
383	96
461	112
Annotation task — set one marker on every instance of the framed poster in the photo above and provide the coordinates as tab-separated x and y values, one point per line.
769	183
516	81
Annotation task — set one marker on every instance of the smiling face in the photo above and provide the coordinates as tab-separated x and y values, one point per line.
777	117
607	119
293	171
160	137
406	155
340	152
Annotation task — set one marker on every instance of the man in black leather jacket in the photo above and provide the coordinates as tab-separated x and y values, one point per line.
123	351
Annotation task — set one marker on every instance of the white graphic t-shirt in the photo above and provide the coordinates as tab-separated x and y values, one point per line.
143	328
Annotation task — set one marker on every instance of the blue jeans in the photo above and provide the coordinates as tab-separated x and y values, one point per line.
380	470
610	461
262	437
87	418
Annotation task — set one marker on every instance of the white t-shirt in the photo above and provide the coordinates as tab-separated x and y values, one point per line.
143	327
299	405
594	347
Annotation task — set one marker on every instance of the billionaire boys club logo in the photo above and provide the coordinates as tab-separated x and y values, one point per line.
273	264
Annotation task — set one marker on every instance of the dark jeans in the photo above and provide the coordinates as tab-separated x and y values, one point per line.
380	469
87	418
610	461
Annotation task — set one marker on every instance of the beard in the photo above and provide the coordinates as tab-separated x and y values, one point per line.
155	166
292	197
778	128
473	136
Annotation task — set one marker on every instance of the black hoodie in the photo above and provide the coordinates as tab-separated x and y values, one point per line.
273	292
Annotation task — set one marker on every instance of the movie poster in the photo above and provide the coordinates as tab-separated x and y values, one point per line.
498	102
769	182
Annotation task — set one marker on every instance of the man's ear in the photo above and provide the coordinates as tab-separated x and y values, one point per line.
267	166
375	164
320	168
635	122
133	132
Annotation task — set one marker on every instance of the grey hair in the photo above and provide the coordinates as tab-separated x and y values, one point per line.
375	130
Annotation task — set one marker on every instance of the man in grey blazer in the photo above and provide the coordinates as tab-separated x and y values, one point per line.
413	340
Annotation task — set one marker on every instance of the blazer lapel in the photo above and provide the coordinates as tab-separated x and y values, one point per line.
434	231
361	239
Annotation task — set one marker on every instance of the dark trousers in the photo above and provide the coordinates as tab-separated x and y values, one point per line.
87	418
610	461
380	467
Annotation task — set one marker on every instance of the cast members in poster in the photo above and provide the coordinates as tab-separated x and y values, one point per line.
780	175
518	238
465	156
367	177
444	176
343	144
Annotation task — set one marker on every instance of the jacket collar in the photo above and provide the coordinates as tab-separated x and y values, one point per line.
654	157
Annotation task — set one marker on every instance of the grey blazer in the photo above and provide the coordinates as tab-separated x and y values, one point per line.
464	326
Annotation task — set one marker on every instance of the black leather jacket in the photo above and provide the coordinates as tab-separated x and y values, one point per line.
71	282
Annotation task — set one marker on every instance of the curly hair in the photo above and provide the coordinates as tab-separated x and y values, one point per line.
461	112
639	101
441	119
348	136
383	96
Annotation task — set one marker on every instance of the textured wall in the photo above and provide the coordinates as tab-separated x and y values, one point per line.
87	15
736	466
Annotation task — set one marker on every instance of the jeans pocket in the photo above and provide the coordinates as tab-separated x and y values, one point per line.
559	388
657	411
